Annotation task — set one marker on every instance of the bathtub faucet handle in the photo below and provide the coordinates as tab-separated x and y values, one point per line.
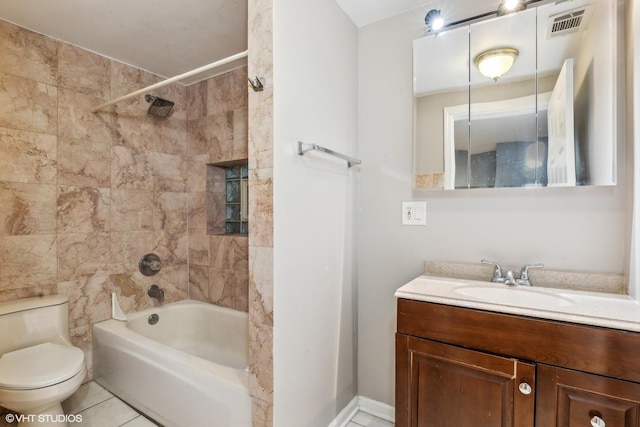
150	264
155	291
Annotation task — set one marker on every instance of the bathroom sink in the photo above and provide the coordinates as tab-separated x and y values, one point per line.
513	296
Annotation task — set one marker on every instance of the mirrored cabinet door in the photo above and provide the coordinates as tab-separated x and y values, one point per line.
527	99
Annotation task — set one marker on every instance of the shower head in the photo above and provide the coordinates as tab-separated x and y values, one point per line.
159	107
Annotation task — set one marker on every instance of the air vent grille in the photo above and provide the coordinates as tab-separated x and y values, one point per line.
567	23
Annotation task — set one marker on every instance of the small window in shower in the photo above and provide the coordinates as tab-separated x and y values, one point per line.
237	199
227	198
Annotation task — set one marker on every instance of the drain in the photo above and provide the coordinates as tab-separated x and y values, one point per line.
153	319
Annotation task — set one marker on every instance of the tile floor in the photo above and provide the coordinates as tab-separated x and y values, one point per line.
362	419
99	408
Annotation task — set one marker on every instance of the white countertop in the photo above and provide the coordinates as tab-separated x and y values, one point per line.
589	308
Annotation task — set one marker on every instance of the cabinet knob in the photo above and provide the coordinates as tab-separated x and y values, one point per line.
596	421
526	389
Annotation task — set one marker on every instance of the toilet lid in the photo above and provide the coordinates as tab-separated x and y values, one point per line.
39	366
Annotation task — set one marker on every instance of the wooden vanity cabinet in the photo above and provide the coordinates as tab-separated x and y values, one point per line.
458	367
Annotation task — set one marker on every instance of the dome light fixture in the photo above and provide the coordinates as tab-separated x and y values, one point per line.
494	63
434	20
511	6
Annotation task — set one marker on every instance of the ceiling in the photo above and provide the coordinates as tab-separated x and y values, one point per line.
165	37
169	37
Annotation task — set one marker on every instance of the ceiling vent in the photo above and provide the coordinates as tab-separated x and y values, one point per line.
569	22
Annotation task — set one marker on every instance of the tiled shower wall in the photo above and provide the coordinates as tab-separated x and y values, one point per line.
216	134
84	196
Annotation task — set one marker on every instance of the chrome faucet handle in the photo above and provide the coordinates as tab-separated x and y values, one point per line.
524	271
497	272
509	278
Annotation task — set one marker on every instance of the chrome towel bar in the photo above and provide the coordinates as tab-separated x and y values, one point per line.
305	147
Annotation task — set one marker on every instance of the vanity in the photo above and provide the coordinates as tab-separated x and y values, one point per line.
474	353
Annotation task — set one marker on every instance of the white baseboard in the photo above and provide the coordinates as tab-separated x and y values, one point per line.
364	404
377	409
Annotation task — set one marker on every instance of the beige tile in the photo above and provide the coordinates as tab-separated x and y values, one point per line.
27	209
83	255
28	105
170	211
84	71
126	79
197	173
83	209
197	100
27	54
199	283
216	215
135	129
262	413
110	413
196	140
230	252
27	156
199	247
132	210
89	300
77	122
261	361
169	172
196	211
88	395
229	288
240	145
140	422
82	337
31	291
261	207
260	129
367	420
27	261
128	247
261	285
130	169
84	163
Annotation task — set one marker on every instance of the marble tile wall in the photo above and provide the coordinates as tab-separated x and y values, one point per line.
260	64
84	196
216	135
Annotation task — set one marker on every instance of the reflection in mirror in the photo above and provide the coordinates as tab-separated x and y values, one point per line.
546	119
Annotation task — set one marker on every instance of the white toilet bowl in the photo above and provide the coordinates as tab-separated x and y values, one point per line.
35	377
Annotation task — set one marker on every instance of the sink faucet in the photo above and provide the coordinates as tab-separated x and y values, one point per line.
524	274
509	278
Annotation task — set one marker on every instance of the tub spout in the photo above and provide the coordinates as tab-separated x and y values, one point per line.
154	291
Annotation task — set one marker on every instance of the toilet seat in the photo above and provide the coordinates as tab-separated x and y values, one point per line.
39	366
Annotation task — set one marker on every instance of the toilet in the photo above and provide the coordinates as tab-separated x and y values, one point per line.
39	368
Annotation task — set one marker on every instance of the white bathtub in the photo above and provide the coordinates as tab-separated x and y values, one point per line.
189	369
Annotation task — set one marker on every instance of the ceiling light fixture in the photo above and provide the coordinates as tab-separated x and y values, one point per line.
494	63
511	6
434	20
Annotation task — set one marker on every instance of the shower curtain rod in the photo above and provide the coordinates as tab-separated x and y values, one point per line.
173	79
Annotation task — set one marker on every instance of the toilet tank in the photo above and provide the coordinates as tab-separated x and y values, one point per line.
30	321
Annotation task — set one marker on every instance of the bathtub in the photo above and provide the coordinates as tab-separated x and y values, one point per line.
188	369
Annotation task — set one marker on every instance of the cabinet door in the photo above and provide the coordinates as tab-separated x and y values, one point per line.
449	386
573	399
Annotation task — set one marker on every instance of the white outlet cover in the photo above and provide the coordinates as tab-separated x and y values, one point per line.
414	213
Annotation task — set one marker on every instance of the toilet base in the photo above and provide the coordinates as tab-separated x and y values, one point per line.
51	416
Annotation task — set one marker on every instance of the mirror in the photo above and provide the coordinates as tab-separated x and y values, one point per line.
548	120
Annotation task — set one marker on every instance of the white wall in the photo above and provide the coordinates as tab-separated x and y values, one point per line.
315	100
572	229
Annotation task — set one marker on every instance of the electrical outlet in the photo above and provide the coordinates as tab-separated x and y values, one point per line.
414	213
